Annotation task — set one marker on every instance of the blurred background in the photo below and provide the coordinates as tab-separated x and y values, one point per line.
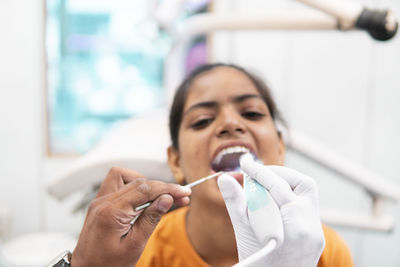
72	71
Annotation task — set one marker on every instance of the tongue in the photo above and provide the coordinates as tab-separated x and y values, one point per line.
229	162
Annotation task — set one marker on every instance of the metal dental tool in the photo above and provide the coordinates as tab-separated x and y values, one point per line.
145	205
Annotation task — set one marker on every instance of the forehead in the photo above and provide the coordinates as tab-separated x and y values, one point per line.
220	84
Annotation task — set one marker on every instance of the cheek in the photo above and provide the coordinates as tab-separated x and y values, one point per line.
190	144
268	143
194	148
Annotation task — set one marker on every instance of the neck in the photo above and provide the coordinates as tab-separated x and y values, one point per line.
211	233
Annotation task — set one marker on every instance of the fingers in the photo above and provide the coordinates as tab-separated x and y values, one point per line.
110	214
129	187
277	187
182	201
147	221
152	215
234	197
141	190
116	178
302	185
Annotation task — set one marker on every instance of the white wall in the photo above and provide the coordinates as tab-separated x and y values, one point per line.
341	89
24	167
21	96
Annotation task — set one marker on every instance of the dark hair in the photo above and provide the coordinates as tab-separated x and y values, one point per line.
176	112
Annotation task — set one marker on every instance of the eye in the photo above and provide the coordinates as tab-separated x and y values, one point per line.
202	123
253	115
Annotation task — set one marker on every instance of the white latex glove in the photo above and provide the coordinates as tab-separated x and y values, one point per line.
297	198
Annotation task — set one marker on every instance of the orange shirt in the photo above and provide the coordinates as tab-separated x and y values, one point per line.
169	246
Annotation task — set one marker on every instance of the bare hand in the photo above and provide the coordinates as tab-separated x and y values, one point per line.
107	237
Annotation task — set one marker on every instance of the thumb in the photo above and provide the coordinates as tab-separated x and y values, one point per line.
278	188
148	220
234	197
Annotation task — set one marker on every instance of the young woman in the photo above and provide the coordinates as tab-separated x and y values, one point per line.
219	112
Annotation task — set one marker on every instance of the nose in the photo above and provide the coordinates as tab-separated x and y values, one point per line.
230	124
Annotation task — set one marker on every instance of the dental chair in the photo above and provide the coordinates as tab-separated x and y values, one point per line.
139	143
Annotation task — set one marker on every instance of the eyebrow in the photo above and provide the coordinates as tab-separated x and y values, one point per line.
214	104
241	98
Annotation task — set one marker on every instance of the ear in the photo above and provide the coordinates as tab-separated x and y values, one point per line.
282	149
174	164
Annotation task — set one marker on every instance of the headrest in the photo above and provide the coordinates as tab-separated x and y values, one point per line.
139	143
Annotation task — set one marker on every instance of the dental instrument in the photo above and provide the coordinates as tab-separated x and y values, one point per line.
197	182
145	205
203	179
263	212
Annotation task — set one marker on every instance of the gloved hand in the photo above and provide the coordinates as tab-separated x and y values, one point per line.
297	198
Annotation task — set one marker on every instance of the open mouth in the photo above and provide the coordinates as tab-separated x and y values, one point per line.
228	159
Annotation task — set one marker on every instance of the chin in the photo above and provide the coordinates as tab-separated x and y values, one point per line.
208	193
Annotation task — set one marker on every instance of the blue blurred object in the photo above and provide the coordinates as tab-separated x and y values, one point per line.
105	64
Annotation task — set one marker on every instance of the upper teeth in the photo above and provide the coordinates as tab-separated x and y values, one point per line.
230	150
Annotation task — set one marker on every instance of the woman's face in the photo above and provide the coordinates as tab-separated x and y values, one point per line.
224	115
